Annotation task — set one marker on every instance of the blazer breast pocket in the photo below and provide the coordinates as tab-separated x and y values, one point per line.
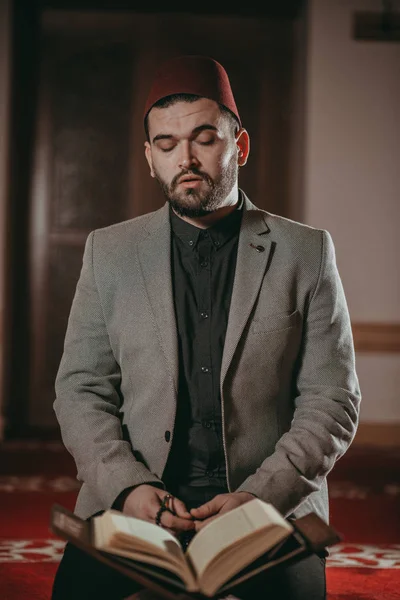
276	322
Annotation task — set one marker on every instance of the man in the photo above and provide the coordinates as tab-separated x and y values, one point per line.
208	357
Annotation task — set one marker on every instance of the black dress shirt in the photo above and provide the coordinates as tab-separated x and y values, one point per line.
203	269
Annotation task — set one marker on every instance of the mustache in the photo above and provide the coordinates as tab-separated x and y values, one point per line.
195	172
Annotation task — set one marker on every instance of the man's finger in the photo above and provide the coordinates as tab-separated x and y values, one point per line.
170	521
209	508
180	508
152	509
200	524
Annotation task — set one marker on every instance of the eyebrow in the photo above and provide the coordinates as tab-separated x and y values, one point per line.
196	131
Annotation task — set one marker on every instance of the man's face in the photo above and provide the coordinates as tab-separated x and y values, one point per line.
194	156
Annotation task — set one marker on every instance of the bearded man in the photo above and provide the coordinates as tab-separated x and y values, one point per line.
209	356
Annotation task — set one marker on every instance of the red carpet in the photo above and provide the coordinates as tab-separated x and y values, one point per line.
365	509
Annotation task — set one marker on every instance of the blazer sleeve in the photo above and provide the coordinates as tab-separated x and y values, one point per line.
327	398
88	397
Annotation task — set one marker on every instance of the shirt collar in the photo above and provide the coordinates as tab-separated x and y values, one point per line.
219	233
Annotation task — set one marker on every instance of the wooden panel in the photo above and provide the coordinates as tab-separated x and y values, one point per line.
64	269
24	51
273	8
378	434
381	26
91	103
376	337
81	178
5	113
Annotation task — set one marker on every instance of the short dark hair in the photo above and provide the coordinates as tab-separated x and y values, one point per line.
174	98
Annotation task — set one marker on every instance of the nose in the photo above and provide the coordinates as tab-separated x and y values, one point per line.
186	158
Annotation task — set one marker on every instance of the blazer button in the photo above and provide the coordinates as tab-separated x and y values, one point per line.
167	436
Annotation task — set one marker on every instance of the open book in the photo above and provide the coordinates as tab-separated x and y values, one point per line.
229	550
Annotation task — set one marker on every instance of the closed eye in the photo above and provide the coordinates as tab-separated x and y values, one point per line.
208	143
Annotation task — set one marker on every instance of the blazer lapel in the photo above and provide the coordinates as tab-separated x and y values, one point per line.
251	265
155	261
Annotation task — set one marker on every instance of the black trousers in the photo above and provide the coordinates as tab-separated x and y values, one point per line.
81	577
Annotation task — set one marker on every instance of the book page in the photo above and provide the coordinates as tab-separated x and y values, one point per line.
259	568
139	558
140	540
155	573
234	559
142	533
230	528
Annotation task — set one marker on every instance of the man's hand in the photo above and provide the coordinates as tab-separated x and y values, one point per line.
217	506
144	501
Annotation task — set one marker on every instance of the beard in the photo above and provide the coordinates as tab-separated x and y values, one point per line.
193	203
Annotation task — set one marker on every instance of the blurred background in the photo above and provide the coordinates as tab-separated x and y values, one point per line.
317	85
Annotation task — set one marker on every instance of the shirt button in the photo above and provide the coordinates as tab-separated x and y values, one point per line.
191	242
205	234
205	370
204	315
204	262
206	424
210	473
216	243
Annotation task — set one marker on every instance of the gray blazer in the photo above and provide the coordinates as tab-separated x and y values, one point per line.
290	393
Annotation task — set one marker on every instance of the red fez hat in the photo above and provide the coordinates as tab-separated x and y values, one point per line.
199	75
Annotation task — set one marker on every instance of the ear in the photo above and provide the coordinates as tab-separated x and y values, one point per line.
149	158
243	146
